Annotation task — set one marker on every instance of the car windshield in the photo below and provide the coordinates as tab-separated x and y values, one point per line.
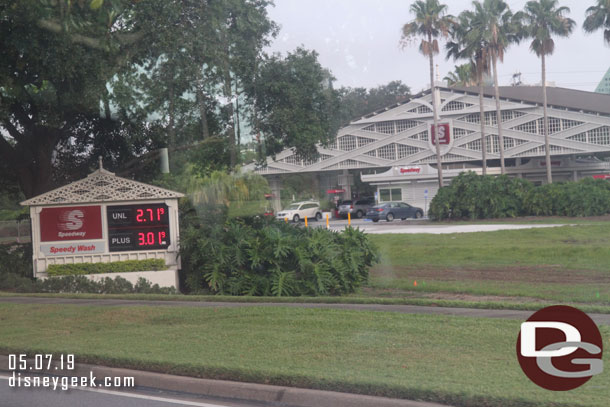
291	153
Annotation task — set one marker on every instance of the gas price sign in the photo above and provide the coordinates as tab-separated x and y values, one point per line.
138	227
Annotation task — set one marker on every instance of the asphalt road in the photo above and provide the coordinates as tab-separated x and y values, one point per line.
601	319
81	397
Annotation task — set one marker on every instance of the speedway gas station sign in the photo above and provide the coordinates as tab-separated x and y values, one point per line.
444	134
70	223
130	227
104	218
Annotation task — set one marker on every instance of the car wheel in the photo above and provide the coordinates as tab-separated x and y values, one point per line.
359	214
318	216
375	220
296	219
418	215
403	218
389	217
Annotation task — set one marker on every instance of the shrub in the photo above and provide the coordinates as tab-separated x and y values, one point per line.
258	256
16	259
80	284
17	283
471	196
107	285
126	266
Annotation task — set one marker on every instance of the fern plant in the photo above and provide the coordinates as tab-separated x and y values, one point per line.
254	256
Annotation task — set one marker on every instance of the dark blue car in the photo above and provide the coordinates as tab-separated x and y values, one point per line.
392	210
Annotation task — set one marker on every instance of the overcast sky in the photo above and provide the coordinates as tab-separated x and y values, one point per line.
359	41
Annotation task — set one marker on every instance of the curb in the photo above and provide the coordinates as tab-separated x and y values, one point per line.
236	391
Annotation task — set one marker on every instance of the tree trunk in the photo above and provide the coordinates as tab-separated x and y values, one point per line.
237	118
231	130
498	114
482	113
547	145
171	130
35	175
106	101
439	163
205	130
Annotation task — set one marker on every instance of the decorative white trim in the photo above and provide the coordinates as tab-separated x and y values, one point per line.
101	186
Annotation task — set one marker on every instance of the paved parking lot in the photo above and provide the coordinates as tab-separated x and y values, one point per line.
412	226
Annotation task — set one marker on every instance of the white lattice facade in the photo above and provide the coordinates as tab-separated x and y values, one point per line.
399	135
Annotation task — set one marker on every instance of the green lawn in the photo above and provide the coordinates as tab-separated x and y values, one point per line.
569	263
461	361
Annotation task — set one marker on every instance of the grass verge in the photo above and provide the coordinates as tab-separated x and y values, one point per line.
459	361
523	306
570	263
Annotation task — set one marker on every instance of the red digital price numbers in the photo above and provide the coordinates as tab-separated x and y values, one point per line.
144	215
151	238
138	227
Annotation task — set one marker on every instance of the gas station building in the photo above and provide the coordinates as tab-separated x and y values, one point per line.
392	150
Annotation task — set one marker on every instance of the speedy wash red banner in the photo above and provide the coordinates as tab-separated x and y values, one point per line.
71	223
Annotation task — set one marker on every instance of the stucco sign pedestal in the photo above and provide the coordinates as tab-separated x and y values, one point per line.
105	218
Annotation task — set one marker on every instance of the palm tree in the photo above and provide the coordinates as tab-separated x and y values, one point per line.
543	19
431	22
468	42
599	17
500	29
463	75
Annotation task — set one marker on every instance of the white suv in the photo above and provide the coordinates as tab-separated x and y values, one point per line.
299	210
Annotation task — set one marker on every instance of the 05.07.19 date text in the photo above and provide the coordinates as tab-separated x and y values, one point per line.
40	362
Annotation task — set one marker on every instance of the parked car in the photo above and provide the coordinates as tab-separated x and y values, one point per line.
357	208
343	208
299	210
392	210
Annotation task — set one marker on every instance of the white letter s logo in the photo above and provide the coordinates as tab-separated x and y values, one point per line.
72	220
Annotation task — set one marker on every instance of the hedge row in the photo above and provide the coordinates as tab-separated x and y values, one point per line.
126	266
264	257
471	196
80	284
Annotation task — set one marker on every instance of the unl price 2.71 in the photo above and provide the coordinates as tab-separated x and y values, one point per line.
40	362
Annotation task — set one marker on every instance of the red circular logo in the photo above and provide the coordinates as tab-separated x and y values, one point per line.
560	348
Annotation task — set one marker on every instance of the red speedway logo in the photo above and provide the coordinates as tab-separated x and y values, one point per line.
560	348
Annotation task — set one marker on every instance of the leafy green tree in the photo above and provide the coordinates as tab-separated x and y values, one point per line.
57	111
543	19
357	102
295	104
57	59
122	142
387	95
597	18
463	75
431	22
75	72
194	82
243	30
